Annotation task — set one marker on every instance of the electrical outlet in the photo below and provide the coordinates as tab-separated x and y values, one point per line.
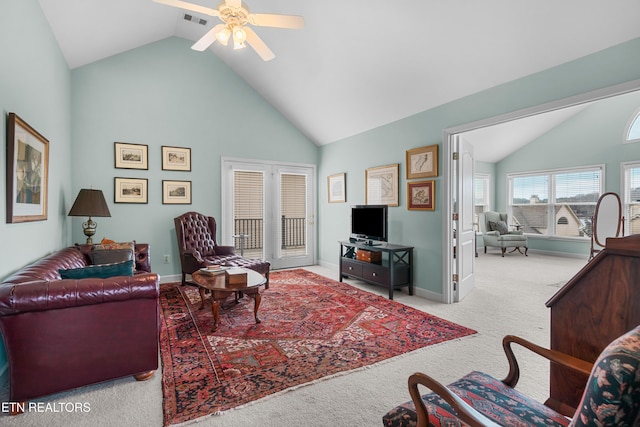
166	259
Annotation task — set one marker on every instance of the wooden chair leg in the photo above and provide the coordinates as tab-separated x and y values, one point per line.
144	376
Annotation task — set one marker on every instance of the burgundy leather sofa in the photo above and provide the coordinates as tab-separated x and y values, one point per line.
60	334
198	248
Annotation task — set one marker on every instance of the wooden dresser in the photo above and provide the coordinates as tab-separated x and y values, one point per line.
600	303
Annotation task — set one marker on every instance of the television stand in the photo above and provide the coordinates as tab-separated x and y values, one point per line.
395	270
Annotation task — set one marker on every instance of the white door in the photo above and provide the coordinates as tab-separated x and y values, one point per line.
269	212
465	234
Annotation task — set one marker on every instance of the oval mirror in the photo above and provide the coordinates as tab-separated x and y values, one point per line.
607	218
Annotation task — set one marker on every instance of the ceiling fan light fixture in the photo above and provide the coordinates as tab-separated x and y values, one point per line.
224	36
239	37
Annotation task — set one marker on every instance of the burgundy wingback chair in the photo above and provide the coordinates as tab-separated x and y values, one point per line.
198	248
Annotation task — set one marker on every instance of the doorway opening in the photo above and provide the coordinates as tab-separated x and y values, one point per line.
454	269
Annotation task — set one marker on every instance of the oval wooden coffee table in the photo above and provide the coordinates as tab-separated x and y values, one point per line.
220	290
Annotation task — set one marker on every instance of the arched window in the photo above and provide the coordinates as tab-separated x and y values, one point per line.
632	131
563	220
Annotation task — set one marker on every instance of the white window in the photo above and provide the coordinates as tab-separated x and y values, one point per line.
481	192
632	131
558	203
631	197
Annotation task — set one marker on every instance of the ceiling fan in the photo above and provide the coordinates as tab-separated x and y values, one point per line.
235	17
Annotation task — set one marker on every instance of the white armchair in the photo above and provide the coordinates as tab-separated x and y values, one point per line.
495	232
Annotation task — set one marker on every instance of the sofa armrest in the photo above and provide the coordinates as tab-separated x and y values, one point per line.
225	250
42	295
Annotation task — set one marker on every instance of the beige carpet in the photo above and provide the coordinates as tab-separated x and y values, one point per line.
509	298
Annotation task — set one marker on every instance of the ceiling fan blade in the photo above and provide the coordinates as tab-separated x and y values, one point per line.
258	45
279	21
189	6
208	39
234	3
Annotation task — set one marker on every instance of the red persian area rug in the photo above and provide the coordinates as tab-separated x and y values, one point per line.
312	327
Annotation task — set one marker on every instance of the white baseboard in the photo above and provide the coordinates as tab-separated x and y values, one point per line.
171	278
559	254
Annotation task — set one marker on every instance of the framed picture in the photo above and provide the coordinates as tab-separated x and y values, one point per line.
337	188
131	156
130	190
27	172
176	158
176	192
382	185
422	162
421	195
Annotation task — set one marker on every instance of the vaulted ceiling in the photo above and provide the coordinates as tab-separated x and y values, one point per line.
360	64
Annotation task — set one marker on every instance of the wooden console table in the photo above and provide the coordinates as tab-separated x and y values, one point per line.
394	271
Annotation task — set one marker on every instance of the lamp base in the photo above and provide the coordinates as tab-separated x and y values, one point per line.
89	229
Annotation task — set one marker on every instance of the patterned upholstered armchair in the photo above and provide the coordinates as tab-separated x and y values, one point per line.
198	248
611	396
495	232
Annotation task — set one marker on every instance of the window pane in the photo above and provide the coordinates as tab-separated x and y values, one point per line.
480	193
532	218
634	219
248	212
578	220
293	207
634	129
577	187
530	189
634	184
633	196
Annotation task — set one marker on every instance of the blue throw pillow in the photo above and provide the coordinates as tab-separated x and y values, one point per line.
100	271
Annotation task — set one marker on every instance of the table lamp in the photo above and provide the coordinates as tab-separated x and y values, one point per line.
89	203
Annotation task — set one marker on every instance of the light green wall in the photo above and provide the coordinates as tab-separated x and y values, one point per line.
167	94
594	136
34	84
388	144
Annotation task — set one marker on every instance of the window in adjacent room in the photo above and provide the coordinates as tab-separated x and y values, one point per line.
481	193
556	203
631	197
632	131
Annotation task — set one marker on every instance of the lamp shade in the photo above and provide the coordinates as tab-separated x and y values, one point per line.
89	203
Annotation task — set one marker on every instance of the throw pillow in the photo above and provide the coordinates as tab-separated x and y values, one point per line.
109	253
499	226
109	256
101	271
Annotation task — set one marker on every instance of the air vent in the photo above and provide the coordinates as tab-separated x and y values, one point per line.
194	19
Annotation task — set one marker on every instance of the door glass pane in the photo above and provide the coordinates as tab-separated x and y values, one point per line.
248	213
293	215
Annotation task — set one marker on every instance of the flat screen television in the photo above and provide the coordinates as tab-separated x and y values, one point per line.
369	222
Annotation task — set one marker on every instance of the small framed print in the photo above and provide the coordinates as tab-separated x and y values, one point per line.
422	162
27	172
176	192
421	195
130	190
176	158
336	188
131	156
382	185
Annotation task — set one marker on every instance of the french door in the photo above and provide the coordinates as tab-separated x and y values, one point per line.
268	211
